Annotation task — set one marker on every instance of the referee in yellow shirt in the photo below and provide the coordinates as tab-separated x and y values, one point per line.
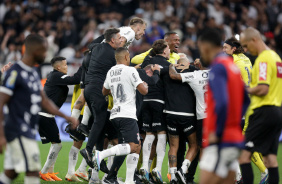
265	114
233	48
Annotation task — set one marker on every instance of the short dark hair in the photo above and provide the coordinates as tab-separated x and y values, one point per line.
233	42
136	20
167	34
212	36
110	33
33	39
120	50
159	46
57	59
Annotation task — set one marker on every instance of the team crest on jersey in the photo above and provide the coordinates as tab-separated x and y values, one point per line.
262	70
205	75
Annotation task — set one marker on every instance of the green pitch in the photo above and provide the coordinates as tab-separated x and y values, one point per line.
61	165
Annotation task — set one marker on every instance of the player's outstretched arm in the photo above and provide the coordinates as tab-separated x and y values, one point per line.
4	98
173	73
259	90
51	108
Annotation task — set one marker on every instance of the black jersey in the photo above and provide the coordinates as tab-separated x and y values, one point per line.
156	93
56	86
101	61
22	83
179	97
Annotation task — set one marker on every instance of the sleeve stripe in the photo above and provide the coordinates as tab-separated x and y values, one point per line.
6	91
64	76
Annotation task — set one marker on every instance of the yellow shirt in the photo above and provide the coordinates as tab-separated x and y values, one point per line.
138	59
245	66
75	95
267	70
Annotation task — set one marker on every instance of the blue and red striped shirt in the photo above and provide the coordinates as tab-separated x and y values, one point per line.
227	101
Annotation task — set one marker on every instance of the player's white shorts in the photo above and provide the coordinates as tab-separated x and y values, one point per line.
220	161
22	155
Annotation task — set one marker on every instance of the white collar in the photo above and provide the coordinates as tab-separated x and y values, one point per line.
24	66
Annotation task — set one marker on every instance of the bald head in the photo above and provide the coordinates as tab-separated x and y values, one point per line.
183	61
250	33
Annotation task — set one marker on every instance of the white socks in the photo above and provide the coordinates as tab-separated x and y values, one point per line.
172	172
111	158
150	163
73	155
83	166
95	175
161	148
75	113
86	115
31	180
185	165
238	172
5	179
118	150
147	147
131	165
51	158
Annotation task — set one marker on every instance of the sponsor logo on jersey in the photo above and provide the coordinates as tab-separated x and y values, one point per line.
115	110
262	70
115	72
146	125
279	69
189	77
12	79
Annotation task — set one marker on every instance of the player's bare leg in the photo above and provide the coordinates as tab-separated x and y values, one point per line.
209	178
172	156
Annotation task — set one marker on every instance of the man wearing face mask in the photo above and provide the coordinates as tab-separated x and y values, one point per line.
56	89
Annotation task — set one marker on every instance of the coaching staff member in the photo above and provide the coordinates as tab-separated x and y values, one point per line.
101	61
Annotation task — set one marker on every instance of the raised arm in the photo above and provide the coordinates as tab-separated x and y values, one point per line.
173	73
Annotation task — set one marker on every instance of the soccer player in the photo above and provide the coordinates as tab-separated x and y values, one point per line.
264	113
181	122
198	81
227	101
122	82
173	41
22	93
153	107
102	59
233	48
56	89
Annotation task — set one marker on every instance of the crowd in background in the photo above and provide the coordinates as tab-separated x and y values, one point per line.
69	25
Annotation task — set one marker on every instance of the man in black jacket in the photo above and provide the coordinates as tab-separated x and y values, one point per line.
153	106
56	88
102	59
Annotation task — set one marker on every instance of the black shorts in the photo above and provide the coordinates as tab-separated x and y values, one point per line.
177	124
199	131
140	123
153	116
110	131
264	129
127	130
48	130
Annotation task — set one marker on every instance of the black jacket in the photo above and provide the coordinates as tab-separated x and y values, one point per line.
56	86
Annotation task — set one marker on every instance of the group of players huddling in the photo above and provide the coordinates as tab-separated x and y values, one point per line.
228	111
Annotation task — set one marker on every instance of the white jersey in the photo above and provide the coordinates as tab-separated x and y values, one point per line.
198	81
122	81
127	33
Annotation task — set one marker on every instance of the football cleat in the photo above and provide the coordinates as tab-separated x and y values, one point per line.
82	175
54	177
45	177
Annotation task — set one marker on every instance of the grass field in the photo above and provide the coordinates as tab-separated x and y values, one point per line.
61	165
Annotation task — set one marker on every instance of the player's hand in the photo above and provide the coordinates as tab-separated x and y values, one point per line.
73	122
183	67
197	63
156	67
213	139
137	66
2	144
6	67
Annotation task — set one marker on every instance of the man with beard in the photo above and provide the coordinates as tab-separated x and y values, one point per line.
22	93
